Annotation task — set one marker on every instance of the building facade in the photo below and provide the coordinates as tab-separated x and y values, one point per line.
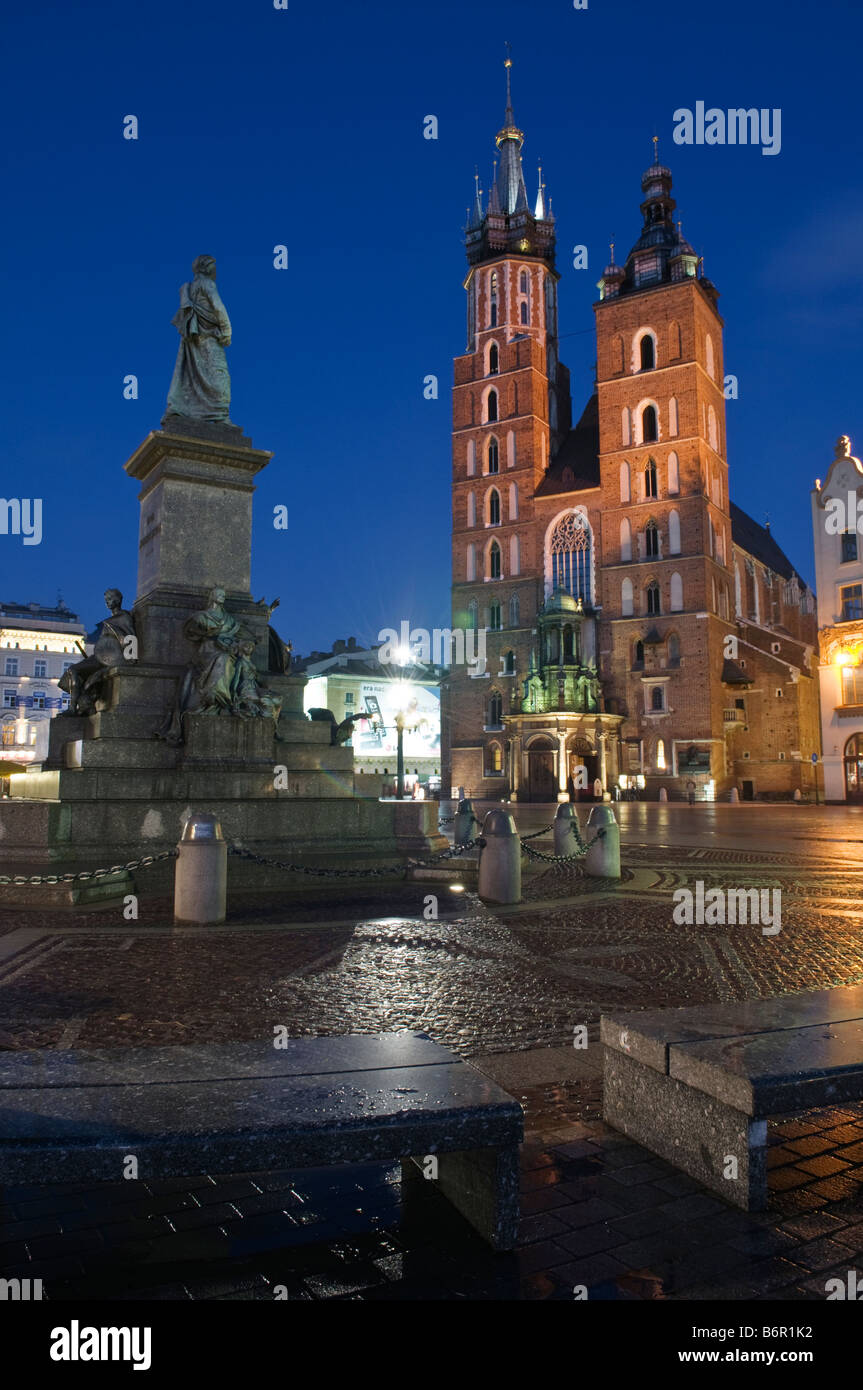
839	585
351	680
37	645
641	629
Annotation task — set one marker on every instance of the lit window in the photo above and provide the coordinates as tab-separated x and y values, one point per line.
851	598
660	755
570	557
852	685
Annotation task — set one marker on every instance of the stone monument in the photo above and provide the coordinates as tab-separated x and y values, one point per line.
188	703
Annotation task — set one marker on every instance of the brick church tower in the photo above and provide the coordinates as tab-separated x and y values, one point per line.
614	582
665	519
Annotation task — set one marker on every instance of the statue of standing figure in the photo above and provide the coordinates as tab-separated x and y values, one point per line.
201	386
222	678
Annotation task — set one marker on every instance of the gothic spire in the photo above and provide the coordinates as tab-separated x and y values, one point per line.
512	193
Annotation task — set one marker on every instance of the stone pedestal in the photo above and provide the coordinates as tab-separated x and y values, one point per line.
195	532
111	791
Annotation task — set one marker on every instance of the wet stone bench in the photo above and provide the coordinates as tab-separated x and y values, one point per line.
250	1107
696	1085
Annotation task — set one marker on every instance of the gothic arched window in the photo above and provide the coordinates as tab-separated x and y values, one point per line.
492	318
494	621
473	615
494	507
493	360
649	432
653	599
673	649
491	406
522	282
495	708
509	664
493	456
650	489
524	312
570	557
651	538
648	353
514	615
494	561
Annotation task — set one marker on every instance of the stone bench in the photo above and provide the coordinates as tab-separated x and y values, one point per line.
250	1107
696	1085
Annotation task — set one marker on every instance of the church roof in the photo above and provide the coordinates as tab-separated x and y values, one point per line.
575	466
757	541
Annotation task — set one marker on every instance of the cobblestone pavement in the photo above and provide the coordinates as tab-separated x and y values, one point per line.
505	987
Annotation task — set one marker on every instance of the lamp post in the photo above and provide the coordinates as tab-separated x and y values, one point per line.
400	755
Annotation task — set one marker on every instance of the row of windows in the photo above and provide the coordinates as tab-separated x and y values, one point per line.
648	479
651	597
38	698
40	667
645	355
642	425
492	506
649	540
491	454
494	614
494	298
491	561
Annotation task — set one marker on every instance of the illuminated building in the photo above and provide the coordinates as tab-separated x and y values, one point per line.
351	680
839	584
36	646
639	626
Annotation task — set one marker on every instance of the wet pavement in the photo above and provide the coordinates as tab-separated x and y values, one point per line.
504	987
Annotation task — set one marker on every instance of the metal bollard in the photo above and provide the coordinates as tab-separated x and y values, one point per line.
565	829
500	860
465	822
201	875
603	857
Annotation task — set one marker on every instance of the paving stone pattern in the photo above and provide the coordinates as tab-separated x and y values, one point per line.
598	1211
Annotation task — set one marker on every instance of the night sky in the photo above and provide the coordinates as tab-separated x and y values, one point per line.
305	127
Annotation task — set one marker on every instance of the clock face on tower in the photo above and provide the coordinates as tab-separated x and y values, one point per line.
524	244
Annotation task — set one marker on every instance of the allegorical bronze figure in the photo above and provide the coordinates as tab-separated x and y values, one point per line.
116	644
222	678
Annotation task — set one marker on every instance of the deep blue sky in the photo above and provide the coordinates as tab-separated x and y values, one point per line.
304	127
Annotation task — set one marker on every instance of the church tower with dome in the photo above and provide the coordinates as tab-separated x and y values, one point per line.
634	618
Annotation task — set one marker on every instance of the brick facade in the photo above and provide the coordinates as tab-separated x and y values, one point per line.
638	623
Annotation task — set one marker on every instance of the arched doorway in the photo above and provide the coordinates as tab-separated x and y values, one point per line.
541	781
580	754
854	768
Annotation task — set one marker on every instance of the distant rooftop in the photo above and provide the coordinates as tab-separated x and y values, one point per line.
39	617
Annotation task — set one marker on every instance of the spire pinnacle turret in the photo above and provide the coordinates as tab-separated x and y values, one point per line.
509	219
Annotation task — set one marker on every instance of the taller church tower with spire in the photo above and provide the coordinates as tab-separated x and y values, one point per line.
628	608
